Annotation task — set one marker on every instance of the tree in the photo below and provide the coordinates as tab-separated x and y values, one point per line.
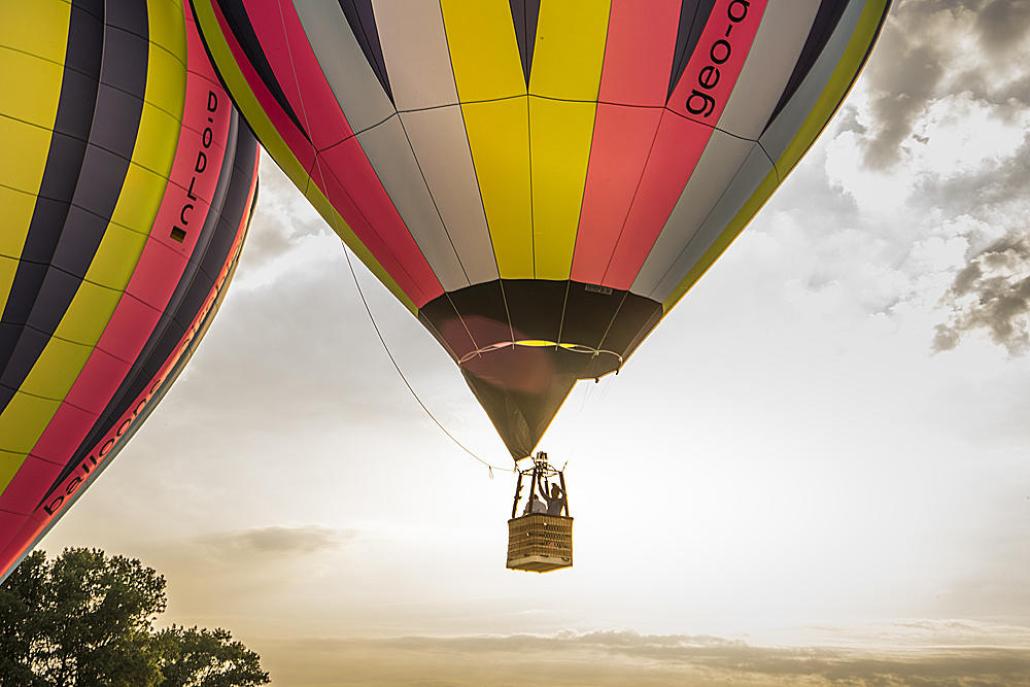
85	619
206	658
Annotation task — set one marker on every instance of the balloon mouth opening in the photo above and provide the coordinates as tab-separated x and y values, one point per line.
601	359
537	367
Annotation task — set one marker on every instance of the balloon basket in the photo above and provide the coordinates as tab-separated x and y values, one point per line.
539	543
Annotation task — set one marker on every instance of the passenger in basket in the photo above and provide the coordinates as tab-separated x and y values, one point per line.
534	505
556	501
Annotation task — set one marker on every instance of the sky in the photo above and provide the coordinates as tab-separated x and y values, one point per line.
814	470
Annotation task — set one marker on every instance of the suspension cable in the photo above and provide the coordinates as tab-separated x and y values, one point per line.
490	466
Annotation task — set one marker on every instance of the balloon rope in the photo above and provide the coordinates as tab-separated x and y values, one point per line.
354	275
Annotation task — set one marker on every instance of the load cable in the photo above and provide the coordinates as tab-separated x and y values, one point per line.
364	301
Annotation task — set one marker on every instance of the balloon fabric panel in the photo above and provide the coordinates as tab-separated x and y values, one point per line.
93	139
128	200
539	181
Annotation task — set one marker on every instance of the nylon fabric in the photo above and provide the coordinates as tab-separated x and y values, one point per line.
613	144
131	192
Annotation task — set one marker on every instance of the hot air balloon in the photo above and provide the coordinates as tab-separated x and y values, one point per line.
538	181
126	186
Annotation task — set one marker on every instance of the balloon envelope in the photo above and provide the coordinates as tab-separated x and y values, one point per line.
126	186
539	181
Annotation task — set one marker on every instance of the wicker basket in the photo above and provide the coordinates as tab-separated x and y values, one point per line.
539	542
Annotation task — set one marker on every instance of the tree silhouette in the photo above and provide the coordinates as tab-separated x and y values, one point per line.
86	619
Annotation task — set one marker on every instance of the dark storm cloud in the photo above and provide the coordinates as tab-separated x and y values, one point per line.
992	293
620	658
923	55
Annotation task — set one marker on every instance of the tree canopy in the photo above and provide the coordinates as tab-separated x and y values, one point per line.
86	619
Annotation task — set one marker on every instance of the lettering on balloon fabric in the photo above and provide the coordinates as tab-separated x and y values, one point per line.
188	203
200	166
117	433
102	449
719	47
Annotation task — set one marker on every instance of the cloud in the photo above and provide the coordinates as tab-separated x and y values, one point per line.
1002	24
932	49
603	659
901	94
938	132
256	552
285	219
294	342
275	541
992	293
990	191
228	573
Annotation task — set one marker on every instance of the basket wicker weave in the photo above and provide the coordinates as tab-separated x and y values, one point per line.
539	542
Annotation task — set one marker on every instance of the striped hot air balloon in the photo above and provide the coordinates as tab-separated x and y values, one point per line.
539	181
126	185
